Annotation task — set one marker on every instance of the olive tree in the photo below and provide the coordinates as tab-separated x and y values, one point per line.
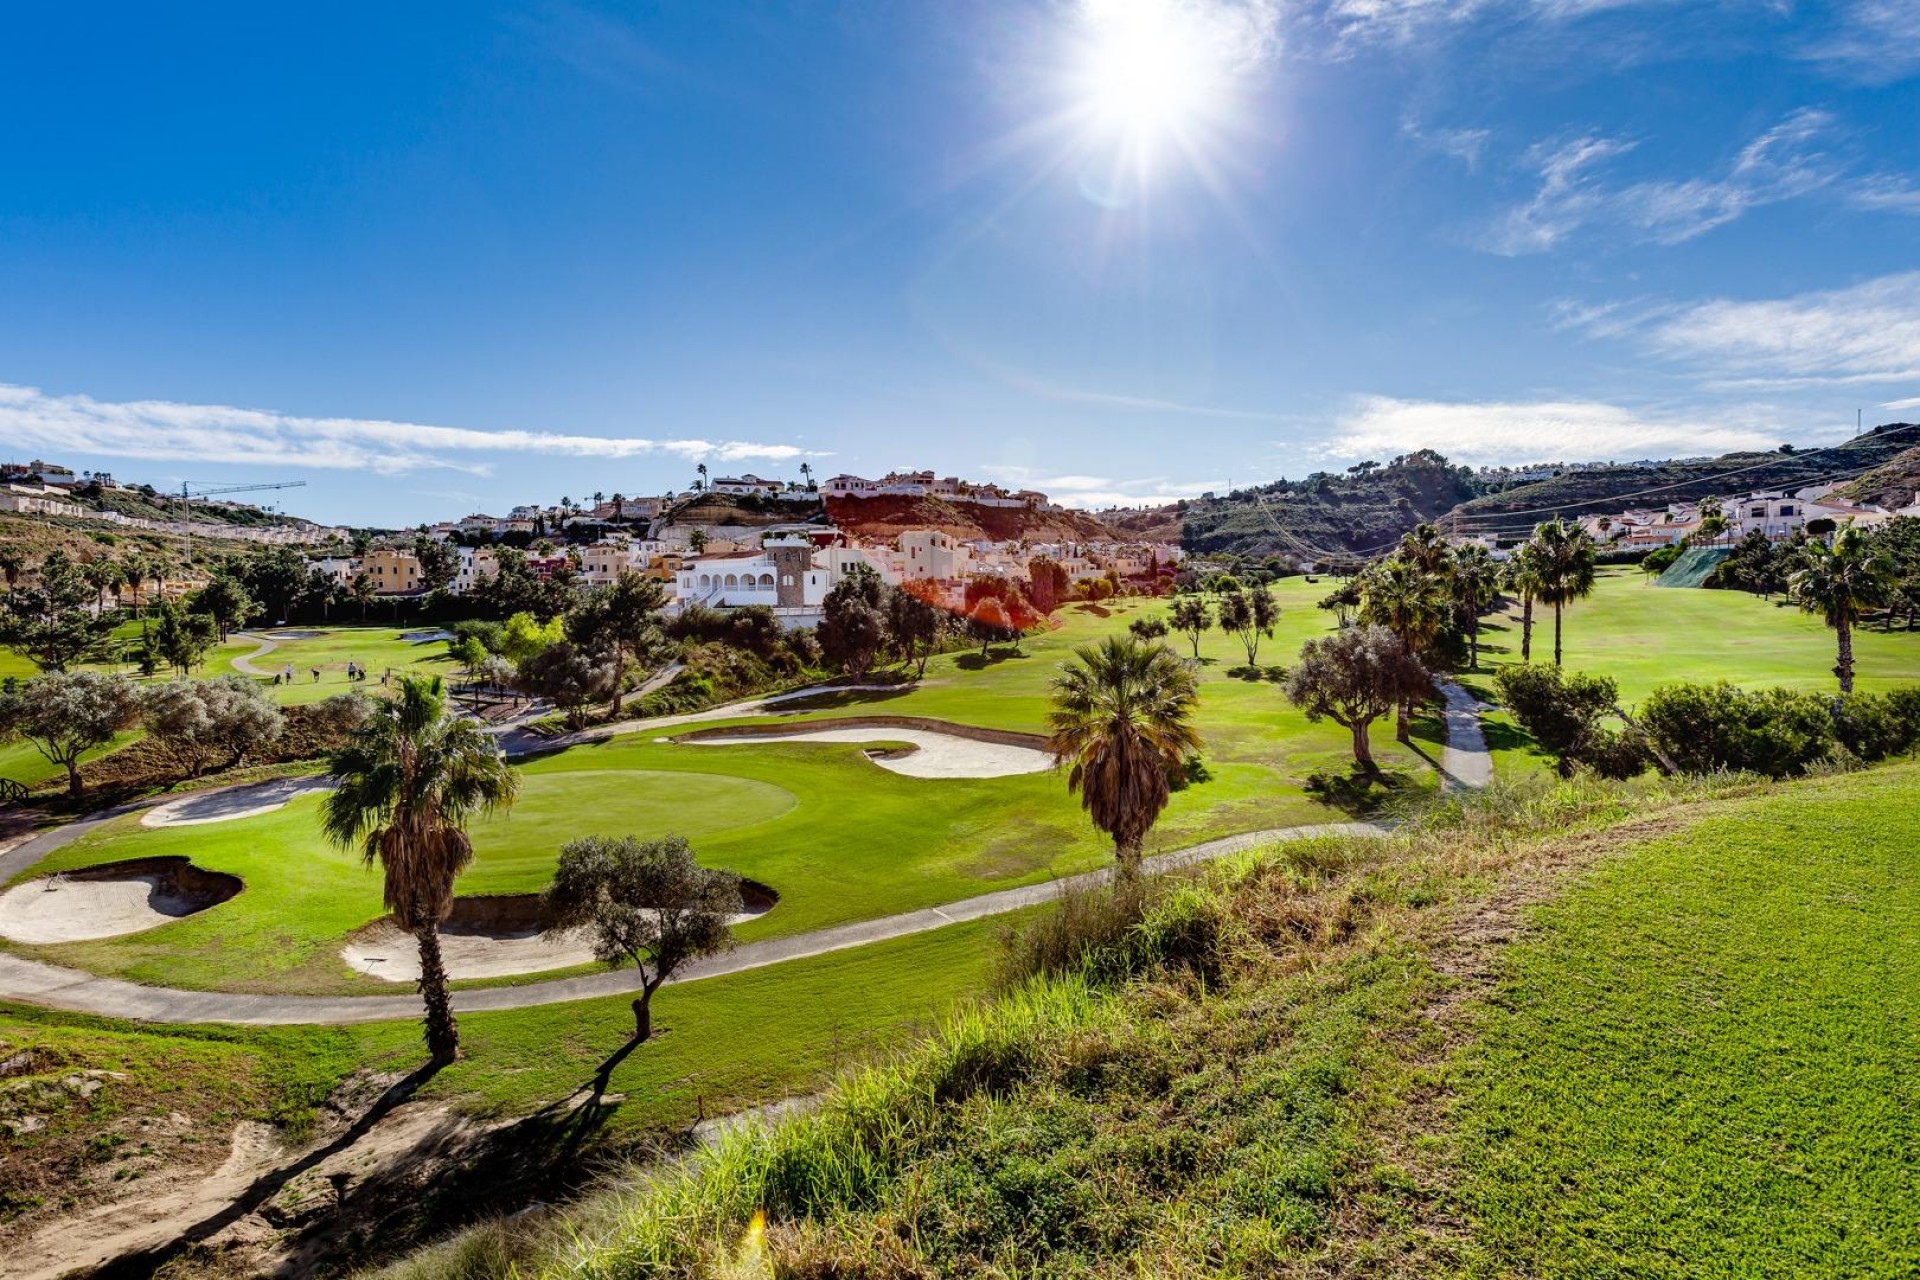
642	901
1353	677
65	714
201	723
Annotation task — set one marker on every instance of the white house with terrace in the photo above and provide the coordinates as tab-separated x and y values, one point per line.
788	574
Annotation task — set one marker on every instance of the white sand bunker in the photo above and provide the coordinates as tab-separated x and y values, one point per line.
492	937
934	754
230	804
107	901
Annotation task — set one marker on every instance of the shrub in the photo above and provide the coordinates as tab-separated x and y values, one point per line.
1874	727
1111	932
1563	712
1702	728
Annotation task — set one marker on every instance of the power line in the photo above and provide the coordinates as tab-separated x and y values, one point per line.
1683	484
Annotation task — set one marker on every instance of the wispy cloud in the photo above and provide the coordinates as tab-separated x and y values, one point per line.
1875	40
1100	491
1784	163
1867	333
165	430
1490	433
1901	406
1464	145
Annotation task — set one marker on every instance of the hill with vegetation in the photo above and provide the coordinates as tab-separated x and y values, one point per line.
887	516
748	510
1593	490
1892	484
1326	514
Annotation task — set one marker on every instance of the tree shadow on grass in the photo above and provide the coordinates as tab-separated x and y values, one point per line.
1254	674
980	662
832	699
1357	793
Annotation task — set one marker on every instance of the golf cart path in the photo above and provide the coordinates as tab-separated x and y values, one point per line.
55	987
1465	761
244	661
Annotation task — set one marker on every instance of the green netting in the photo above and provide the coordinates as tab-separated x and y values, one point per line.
1694	567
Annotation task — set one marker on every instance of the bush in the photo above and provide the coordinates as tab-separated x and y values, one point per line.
1563	712
1112	932
1704	728
1874	727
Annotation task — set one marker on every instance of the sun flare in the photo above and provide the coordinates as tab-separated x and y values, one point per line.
1156	73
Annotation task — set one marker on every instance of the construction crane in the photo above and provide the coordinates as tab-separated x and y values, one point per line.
192	489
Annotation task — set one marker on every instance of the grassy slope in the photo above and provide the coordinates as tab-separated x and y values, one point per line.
375	647
1698	1066
1702	1062
723	1044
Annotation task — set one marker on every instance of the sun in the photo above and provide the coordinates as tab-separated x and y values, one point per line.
1151	74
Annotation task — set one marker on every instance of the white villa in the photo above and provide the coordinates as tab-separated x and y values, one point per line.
788	573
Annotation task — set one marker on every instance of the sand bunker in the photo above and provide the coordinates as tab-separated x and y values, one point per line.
231	803
107	901
935	753
492	937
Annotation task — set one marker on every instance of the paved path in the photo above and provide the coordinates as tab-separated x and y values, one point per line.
244	661
1465	762
32	982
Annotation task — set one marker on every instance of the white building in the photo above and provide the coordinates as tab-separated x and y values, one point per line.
788	574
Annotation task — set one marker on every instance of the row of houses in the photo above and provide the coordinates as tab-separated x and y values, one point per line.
924	484
47	500
1775	513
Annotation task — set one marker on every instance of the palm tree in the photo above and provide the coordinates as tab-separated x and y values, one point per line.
405	787
1566	569
361	589
1426	548
1412	603
1122	721
1474	582
133	572
806	474
102	575
1523	579
159	566
619	506
702	469
1840	583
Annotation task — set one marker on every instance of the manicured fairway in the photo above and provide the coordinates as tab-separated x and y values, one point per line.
378	649
1255	740
1703	1062
1644	636
837	836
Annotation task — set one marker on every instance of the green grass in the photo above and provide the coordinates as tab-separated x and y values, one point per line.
1643	636
1702	1064
377	648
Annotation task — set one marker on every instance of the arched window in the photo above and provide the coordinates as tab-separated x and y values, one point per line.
706	580
732	580
766	579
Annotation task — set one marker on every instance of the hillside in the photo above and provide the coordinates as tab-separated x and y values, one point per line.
1362	509
1577	493
885	517
1892	484
747	510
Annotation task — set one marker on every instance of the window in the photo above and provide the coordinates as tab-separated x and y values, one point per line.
1787	510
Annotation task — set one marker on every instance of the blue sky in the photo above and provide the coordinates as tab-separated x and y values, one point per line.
433	258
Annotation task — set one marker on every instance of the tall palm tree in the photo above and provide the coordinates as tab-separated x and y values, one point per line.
405	787
1427	548
702	469
103	575
1121	720
1412	603
1474	582
133	572
1840	583
1523	579
1566	569
159	568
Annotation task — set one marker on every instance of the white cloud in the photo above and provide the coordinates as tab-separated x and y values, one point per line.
1489	433
1100	491
1898	406
1877	40
1867	333
1887	193
1784	163
31	420
1464	145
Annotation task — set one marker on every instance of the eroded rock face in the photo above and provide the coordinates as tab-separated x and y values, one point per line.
111	900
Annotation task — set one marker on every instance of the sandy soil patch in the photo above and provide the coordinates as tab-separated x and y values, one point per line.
495	937
106	902
934	754
230	804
